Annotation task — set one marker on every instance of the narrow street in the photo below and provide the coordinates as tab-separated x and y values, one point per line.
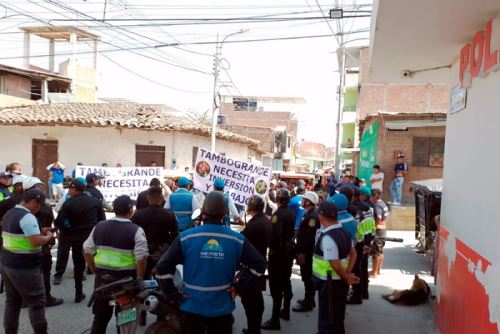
374	316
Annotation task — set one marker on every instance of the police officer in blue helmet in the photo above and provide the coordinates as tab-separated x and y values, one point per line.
210	255
183	203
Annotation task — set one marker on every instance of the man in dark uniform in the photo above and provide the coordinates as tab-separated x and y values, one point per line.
75	221
159	224
142	198
116	235
281	254
305	246
21	259
210	255
364	236
93	181
258	232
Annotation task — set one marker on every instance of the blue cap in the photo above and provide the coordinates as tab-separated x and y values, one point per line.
91	177
340	201
183	181
82	180
123	204
219	184
365	190
328	210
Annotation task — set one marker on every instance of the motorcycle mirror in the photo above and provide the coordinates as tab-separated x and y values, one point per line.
196	214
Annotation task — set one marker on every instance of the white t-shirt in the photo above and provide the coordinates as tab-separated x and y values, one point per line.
377	185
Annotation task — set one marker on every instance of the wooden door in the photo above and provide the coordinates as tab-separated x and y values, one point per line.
145	154
44	153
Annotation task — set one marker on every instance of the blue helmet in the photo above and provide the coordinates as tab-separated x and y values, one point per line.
340	201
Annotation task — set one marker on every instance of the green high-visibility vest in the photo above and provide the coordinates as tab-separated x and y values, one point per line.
321	267
114	258
365	227
18	244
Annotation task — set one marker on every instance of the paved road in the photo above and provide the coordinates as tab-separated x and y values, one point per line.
374	316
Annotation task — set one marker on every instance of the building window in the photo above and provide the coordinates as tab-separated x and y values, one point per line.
428	152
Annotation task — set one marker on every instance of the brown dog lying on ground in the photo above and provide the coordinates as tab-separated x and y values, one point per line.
418	294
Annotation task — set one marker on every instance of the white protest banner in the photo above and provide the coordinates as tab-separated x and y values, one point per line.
122	180
242	179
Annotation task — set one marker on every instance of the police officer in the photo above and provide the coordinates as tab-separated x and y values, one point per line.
380	213
232	212
365	232
15	196
117	235
334	255
345	219
183	203
5	184
305	246
281	254
93	181
21	259
210	255
159	225
258	232
75	221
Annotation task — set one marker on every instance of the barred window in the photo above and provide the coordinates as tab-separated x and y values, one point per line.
428	152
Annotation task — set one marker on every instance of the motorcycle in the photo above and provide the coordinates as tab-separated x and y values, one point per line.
131	296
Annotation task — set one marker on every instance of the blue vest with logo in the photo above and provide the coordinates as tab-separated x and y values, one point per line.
211	253
181	203
18	260
227	218
341	238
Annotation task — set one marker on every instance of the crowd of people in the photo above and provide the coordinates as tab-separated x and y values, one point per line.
330	231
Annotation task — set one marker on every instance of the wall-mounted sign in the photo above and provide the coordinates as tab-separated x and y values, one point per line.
458	99
481	55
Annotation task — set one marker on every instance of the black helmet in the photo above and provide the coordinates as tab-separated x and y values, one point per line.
214	205
283	196
255	204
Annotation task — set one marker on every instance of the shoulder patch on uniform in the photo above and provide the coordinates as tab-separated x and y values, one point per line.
312	222
274	219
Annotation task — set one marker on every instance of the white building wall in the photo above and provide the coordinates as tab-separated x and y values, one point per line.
472	154
93	145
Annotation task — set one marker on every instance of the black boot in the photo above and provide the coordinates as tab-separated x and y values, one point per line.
285	311
79	295
274	322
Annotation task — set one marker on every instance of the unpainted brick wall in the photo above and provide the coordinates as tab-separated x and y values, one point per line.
390	142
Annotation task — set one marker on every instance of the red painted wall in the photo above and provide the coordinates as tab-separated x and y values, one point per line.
463	302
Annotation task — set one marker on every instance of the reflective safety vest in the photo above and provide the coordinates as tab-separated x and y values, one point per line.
181	203
115	243
321	266
5	192
17	251
366	226
211	255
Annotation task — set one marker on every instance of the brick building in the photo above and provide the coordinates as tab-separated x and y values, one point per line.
275	130
411	119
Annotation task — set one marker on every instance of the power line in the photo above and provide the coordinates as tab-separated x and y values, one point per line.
189	43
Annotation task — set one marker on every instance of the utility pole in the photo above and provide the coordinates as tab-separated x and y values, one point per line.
217	59
341	88
214	96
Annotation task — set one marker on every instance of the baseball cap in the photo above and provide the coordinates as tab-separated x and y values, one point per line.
123	204
34	194
19	179
30	182
183	181
219	183
77	184
328	210
282	184
5	174
91	177
340	201
365	190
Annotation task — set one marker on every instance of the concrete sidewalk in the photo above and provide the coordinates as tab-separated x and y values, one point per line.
373	316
